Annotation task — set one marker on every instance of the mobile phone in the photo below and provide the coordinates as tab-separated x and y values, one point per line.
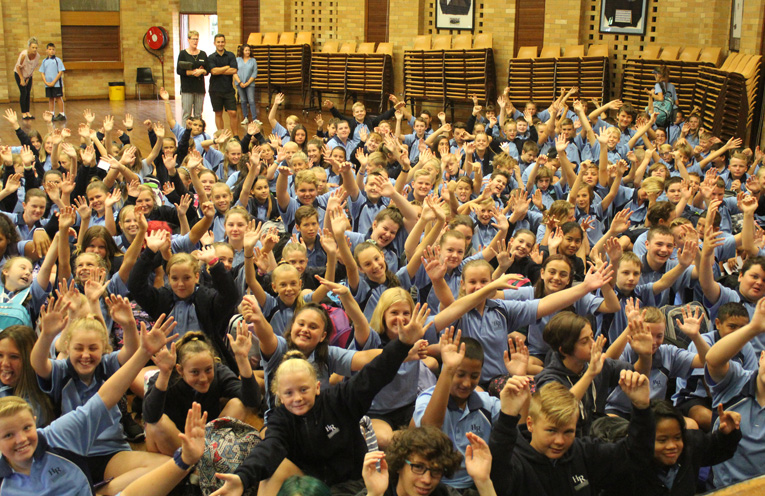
104	164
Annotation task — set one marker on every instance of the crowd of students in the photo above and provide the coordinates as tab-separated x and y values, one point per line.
488	298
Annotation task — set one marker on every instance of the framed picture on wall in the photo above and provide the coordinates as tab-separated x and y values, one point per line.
623	16
455	14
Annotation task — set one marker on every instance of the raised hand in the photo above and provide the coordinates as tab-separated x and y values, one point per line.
452	352
165	359
478	459
193	436
375	480
156	339
691	323
637	388
516	357
514	395
243	342
54	316
729	421
415	329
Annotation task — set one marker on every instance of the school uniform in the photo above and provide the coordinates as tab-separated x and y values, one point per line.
480	412
69	392
491	328
737	392
668	362
349	145
587	304
694	388
673	295
70	436
368	293
177	399
326	442
585	469
593	405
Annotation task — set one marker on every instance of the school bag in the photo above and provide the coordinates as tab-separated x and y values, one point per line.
664	109
342	331
13	311
675	336
228	441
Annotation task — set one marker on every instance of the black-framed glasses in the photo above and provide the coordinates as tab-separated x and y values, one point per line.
420	469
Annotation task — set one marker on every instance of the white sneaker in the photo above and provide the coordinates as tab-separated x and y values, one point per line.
245	121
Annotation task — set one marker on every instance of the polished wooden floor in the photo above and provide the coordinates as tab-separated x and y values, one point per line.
148	108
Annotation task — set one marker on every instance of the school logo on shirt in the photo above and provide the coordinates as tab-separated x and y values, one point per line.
54	473
331	430
580	482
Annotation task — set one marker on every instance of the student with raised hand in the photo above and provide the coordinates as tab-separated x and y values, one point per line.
549	459
317	433
579	362
680	452
741	391
415	464
33	464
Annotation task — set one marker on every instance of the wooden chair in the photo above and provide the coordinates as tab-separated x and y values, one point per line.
710	55
366	48
330	46
483	41
422	42
550	52
669	53
650	52
527	52
287	38
731	62
574	51
254	39
386	48
442	42
462	42
270	39
348	47
598	51
690	54
304	38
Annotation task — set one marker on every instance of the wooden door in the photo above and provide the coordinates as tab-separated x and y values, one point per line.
250	18
377	21
529	24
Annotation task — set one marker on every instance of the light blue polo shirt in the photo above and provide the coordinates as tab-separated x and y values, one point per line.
480	412
749	460
52	473
499	319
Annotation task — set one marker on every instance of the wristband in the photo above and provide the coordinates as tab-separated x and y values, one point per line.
179	460
213	261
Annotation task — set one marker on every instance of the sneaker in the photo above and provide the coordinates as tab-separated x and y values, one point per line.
245	121
133	431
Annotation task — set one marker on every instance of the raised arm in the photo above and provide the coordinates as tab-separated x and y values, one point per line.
54	317
263	331
725	349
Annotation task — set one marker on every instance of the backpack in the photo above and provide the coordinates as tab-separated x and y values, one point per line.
664	108
13	311
228	441
675	336
342	331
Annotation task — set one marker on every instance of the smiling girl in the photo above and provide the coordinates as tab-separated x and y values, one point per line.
191	372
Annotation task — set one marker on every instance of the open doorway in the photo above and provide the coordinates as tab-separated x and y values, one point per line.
206	25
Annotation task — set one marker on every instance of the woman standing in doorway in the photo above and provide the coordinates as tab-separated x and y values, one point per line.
29	61
191	69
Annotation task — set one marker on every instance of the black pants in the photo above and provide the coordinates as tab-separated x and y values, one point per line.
25	92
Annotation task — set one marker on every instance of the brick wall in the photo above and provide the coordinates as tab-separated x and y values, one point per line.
229	14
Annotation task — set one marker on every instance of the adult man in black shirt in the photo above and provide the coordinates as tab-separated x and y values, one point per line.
222	67
191	68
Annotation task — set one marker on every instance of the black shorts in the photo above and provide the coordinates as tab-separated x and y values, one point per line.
685	406
221	100
97	465
396	419
54	91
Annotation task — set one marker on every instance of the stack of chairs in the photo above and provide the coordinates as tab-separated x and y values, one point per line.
284	60
350	71
684	71
541	76
729	97
450	69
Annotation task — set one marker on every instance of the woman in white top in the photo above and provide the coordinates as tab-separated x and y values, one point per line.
29	61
